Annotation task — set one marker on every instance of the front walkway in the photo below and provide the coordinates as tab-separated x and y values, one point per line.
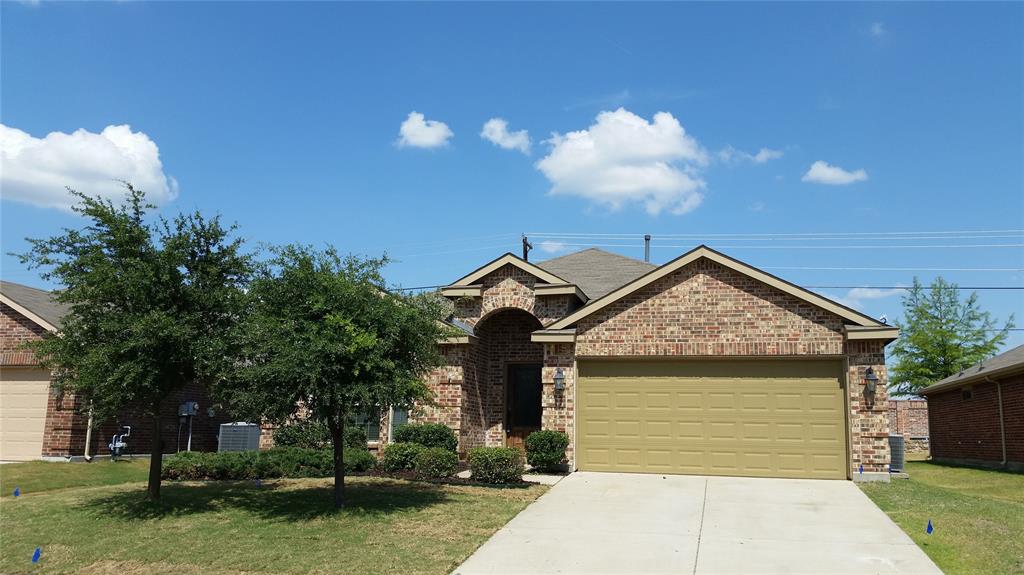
633	523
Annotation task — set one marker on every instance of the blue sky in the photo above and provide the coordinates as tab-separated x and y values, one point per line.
669	119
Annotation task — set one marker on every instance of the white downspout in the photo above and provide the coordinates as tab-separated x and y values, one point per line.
1002	423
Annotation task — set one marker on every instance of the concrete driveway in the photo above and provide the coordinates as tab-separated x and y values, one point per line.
632	523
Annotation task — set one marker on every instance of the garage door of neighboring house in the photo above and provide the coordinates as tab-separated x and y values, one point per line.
23	395
783	418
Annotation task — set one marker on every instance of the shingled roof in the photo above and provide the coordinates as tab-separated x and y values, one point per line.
36	301
596	271
1005	363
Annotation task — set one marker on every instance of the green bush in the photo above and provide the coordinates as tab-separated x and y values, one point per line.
358	460
427	435
496	464
436	463
545	449
355	437
400	456
277	462
311	434
304	434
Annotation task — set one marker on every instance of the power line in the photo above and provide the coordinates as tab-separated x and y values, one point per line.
778	235
788	247
902	269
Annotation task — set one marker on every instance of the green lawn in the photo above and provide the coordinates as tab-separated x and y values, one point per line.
39	476
978	516
285	526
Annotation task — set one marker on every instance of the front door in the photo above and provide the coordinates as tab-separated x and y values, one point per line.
523	409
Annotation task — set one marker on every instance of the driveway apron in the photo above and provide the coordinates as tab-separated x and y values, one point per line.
640	523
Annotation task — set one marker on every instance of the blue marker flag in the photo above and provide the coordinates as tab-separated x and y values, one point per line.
862	469
17	491
35	556
930	528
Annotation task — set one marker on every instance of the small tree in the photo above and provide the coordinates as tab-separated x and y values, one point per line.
940	335
151	306
323	337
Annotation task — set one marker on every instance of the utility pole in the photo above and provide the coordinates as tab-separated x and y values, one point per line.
527	246
647	248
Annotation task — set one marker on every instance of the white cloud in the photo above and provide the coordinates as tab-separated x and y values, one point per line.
855	297
730	154
823	173
418	132
877	29
37	170
496	131
552	247
622	158
757	206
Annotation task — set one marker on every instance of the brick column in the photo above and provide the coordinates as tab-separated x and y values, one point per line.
559	408
869	422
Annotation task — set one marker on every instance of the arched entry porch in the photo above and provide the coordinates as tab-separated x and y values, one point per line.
509	367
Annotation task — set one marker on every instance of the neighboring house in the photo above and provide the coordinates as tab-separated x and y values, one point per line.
703	365
37	421
976	417
909	418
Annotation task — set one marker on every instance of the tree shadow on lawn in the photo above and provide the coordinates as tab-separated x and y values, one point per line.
271	501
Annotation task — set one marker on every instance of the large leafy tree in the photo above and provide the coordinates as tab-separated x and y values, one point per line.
323	339
151	301
940	335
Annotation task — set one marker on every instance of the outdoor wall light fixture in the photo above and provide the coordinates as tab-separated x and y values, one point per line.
870	381
559	380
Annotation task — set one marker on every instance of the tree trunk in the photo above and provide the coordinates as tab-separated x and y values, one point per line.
337	428
155	461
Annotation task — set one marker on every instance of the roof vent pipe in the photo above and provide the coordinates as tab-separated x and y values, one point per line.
647	248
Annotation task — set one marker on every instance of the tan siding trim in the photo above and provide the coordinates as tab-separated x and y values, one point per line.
463	291
854	332
554	336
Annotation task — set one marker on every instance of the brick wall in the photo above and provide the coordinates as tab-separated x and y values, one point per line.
868	416
909	418
15	331
509	287
703	309
66	420
968	429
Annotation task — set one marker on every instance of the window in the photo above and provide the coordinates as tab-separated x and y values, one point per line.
399	417
370	421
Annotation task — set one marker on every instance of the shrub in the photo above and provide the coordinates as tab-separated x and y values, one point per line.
427	435
400	456
305	434
545	449
436	463
277	462
358	460
355	437
496	464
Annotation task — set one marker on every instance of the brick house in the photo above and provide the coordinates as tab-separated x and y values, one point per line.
976	417
703	365
38	421
909	418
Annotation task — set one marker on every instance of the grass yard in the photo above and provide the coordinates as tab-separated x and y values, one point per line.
285	526
978	516
39	476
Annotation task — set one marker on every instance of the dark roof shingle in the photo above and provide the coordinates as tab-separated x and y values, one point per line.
37	301
596	271
1006	361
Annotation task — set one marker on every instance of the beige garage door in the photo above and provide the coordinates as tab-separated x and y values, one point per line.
749	418
23	395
